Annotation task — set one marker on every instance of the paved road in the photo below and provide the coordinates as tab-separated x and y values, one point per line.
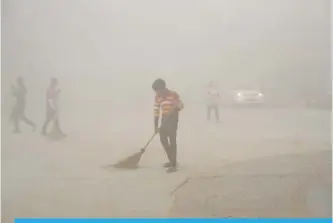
292	185
65	179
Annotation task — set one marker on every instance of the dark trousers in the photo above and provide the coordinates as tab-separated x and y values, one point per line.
168	137
51	115
18	115
215	109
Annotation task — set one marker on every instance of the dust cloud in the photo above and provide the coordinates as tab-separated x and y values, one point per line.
106	55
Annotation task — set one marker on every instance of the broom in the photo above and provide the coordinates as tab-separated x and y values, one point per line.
132	161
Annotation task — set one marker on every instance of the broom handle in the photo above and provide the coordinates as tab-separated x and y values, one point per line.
151	139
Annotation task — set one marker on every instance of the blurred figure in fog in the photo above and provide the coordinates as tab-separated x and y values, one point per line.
212	101
52	109
19	91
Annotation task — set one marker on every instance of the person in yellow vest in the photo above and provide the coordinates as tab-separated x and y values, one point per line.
167	105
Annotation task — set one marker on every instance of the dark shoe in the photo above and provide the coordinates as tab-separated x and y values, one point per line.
55	135
59	133
167	165
63	135
172	169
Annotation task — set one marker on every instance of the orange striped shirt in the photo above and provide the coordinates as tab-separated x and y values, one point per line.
166	104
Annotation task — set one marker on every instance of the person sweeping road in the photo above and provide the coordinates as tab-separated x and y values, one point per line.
167	105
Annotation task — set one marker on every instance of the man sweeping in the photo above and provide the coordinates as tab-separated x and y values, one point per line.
167	105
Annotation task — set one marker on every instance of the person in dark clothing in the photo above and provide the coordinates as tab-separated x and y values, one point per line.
52	110
19	92
167	105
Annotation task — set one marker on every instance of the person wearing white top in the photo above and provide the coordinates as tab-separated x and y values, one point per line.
213	101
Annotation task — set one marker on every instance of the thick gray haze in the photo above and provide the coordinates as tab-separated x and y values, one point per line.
107	53
110	46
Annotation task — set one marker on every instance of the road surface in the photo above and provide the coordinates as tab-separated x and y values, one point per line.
41	178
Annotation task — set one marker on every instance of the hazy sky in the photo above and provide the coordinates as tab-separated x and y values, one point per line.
109	45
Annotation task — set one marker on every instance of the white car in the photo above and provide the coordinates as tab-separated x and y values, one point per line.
244	97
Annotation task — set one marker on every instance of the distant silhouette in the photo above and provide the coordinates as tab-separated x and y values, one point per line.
19	91
52	111
213	101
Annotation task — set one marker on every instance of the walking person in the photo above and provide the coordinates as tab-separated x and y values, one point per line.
52	110
167	105
213	102
19	91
